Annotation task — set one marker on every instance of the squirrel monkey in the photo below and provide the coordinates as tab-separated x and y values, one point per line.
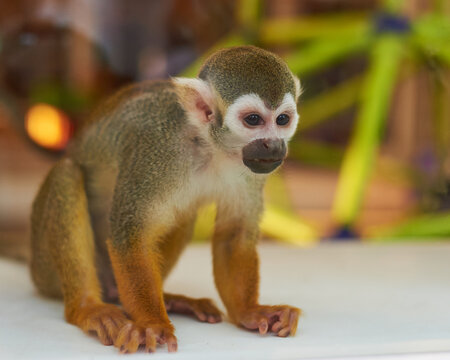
113	216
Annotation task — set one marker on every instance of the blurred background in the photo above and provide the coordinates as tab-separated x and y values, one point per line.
371	158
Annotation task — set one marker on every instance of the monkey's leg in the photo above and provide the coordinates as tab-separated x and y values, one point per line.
236	275
170	248
137	271
62	238
99	189
174	242
137	227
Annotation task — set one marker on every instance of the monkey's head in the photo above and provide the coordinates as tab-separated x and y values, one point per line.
249	98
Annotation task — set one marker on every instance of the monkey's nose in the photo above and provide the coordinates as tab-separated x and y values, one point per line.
264	155
274	147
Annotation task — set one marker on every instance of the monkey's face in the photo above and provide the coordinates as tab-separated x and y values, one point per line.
261	131
257	112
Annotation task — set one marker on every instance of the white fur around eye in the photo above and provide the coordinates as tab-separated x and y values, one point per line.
287	106
252	103
245	104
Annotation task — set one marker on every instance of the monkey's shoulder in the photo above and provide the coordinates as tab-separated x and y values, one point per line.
144	115
150	106
150	95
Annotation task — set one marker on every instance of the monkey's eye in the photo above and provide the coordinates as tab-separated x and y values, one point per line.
283	119
253	120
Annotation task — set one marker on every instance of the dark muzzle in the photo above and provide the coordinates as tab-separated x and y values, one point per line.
264	155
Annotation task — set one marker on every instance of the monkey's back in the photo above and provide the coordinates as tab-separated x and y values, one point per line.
146	112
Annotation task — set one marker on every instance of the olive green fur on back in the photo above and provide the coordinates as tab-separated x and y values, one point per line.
245	70
146	113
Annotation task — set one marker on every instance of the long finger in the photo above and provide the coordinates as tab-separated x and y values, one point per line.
150	341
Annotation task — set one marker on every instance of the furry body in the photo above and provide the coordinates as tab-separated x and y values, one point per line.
113	216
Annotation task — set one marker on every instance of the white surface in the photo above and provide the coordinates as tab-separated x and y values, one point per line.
358	300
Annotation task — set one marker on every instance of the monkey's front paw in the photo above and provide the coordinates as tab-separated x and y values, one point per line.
203	309
279	319
103	320
132	335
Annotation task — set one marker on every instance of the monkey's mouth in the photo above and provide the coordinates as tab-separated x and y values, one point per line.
263	156
262	166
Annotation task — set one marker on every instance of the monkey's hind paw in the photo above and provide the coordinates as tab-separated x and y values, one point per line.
132	336
203	309
280	319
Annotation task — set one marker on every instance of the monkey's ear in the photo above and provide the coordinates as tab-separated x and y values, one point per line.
197	98
298	87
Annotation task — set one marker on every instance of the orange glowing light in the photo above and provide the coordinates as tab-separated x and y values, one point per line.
47	126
